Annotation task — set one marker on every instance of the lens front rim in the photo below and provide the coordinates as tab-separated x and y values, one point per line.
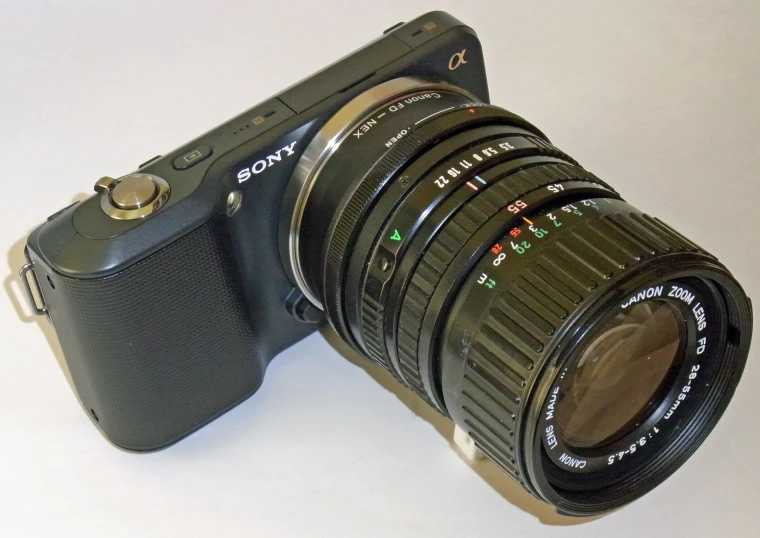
626	447
603	489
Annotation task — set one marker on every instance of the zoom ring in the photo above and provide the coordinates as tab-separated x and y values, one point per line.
523	318
450	241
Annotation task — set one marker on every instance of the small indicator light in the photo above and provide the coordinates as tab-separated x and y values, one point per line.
396	236
472	111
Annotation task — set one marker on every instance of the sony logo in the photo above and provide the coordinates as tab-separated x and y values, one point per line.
261	165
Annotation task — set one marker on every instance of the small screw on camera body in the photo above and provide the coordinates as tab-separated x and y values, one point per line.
234	201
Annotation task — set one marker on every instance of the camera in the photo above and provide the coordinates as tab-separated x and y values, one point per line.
584	346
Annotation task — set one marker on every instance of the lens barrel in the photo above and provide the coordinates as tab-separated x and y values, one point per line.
452	244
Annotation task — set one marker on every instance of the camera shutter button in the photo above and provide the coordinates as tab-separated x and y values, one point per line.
134	192
132	196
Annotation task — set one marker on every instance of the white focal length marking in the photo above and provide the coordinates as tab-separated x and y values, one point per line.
268	161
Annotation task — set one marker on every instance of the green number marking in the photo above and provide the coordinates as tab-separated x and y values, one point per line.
521	248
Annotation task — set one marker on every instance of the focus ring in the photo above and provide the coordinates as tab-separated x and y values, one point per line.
344	226
450	241
522	320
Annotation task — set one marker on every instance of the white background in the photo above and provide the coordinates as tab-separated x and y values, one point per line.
659	98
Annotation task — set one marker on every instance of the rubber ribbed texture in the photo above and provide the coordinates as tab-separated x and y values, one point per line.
522	320
450	241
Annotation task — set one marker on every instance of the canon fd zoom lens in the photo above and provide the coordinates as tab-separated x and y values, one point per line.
586	347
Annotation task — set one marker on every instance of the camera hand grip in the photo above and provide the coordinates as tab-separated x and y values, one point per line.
163	347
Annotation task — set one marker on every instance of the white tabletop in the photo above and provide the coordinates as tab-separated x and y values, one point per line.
661	101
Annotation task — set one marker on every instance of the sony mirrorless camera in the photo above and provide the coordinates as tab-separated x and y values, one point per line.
584	346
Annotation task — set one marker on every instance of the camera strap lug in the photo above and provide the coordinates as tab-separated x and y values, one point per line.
38	310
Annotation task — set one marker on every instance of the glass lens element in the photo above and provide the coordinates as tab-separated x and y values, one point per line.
620	375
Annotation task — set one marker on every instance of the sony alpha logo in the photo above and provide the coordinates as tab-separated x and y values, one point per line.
261	165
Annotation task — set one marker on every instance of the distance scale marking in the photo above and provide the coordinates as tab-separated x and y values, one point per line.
471	167
530	232
497	258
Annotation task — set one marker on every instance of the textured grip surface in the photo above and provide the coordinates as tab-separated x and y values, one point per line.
524	317
163	347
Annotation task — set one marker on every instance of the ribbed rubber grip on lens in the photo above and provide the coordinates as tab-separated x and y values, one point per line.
450	241
432	266
524	317
373	317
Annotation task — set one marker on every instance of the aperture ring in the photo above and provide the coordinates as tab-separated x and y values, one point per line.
356	204
452	238
389	247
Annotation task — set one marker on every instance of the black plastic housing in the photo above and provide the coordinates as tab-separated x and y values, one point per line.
168	321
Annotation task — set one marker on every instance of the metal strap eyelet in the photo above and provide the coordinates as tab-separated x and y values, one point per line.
29	293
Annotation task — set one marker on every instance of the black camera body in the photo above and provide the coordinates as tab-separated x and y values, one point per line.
169	313
586	347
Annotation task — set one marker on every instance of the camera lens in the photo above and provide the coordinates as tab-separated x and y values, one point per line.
587	348
620	375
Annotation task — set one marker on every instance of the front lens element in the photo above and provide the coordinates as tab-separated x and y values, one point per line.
620	375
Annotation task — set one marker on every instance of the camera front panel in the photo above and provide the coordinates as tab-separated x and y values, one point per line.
168	290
